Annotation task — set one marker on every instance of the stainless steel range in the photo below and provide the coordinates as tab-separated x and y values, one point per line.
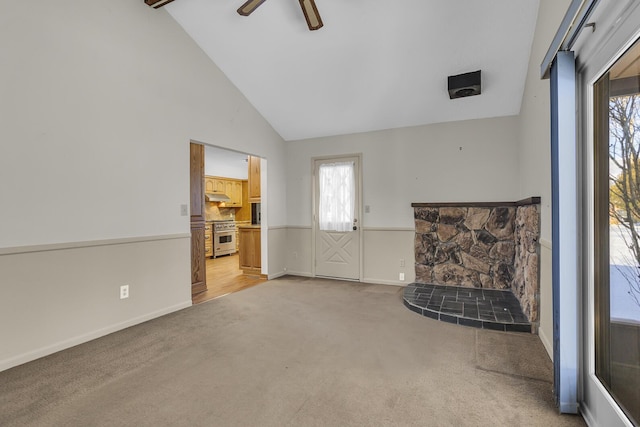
224	237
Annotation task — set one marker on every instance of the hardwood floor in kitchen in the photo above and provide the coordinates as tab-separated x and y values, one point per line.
224	277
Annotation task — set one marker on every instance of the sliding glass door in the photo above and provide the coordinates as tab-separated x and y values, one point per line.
617	231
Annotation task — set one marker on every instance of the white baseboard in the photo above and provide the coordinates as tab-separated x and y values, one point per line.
71	342
588	416
384	282
299	273
276	275
548	344
364	280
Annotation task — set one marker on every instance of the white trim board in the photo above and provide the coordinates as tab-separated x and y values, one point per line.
87	244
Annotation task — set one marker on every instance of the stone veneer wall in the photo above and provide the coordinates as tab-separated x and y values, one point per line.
492	246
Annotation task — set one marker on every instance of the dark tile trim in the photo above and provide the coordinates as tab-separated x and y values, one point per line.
412	307
494	304
448	319
430	313
470	322
518	327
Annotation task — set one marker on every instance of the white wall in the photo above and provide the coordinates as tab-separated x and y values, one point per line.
99	102
475	160
535	115
225	163
534	150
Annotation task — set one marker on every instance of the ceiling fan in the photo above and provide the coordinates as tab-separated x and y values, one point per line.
309	9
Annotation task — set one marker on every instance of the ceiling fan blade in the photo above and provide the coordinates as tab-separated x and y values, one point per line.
249	6
311	14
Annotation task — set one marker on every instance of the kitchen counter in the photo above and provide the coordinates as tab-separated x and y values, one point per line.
249	226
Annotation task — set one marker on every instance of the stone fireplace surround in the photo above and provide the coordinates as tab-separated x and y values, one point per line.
493	245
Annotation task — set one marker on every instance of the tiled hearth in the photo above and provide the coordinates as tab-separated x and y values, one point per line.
481	308
477	263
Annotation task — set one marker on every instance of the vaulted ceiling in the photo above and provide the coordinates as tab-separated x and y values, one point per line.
376	64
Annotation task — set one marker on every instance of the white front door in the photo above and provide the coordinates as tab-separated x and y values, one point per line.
336	217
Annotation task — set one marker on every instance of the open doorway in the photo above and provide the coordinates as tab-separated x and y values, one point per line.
232	210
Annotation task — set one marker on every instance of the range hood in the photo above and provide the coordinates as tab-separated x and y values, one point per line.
217	197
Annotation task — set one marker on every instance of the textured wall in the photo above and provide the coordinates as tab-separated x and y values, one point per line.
526	283
493	247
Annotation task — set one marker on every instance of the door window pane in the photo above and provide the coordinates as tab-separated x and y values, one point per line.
617	233
336	207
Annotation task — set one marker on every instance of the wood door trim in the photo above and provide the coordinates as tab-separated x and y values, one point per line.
196	190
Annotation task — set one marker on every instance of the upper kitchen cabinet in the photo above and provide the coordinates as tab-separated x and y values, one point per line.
214	185
227	186
233	189
237	193
254	179
208	184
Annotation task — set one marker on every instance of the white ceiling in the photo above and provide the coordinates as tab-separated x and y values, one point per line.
376	64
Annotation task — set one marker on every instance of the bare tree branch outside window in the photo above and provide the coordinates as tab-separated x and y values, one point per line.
624	189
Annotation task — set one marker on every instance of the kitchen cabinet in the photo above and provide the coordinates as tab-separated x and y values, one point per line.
214	185
208	185
228	190
237	193
233	189
219	185
254	179
228	186
208	240
250	255
243	214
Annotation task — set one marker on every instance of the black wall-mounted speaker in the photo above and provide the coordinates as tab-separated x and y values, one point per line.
467	84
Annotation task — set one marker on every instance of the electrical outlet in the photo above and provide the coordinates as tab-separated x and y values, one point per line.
401	262
124	291
402	276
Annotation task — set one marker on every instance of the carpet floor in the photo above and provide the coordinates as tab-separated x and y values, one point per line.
290	352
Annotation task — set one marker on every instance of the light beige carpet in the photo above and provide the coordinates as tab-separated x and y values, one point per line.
290	352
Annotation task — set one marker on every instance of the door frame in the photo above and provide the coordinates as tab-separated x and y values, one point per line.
200	268
358	208
597	55
197	218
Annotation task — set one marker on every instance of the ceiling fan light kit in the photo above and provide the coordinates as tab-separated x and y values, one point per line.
309	9
249	6
157	4
311	14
